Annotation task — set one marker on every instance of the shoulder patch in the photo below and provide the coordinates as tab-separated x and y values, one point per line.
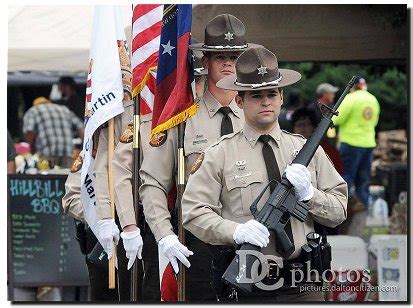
77	165
197	163
158	139
127	135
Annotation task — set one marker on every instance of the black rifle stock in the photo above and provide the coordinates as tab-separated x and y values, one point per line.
280	206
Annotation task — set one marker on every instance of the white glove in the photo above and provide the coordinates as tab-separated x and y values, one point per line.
108	232
132	242
173	249
252	232
300	178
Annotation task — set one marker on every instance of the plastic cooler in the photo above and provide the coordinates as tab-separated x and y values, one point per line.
389	257
349	265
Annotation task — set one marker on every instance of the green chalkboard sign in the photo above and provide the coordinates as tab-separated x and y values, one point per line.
42	247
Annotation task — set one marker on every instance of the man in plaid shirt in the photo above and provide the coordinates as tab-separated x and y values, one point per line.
49	129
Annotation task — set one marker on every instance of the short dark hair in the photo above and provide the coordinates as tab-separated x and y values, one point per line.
67	80
304	112
242	93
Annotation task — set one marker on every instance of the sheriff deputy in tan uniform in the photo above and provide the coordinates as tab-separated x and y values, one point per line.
233	171
98	276
217	115
108	227
122	172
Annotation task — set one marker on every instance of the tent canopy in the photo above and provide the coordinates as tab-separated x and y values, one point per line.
52	38
57	38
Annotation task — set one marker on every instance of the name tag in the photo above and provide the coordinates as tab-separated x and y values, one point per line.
195	142
236	177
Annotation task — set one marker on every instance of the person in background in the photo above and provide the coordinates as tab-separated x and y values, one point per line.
293	102
304	121
11	155
49	129
326	94
357	119
70	99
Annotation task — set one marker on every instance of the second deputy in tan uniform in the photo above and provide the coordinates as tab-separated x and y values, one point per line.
109	227
217	115
122	172
232	172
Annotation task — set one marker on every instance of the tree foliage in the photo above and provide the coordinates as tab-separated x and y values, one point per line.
387	83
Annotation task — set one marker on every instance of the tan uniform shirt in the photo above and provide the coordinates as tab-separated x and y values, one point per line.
160	164
122	172
219	194
71	203
71	200
103	208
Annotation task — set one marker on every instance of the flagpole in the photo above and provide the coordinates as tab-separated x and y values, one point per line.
111	148
180	192
135	191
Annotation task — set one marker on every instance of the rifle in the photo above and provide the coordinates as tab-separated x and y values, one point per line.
281	205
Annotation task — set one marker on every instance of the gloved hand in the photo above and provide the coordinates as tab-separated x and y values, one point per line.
108	232
132	242
252	232
300	178
173	249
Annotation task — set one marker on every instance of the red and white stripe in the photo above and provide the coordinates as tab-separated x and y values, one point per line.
146	36
147	96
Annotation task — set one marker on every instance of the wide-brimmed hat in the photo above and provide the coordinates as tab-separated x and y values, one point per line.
199	69
223	33
257	69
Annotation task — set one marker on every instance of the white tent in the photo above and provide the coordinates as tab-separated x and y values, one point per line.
57	38
52	38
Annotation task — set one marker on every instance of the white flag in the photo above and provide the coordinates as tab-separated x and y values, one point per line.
104	95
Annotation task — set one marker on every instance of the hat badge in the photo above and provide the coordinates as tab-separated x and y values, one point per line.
262	70
229	36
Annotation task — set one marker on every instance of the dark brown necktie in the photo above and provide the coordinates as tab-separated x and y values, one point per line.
273	174
226	124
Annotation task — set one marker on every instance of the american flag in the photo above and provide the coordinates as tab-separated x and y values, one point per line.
146	35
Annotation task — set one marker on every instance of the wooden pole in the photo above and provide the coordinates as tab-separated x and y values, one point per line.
180	192
111	148
135	272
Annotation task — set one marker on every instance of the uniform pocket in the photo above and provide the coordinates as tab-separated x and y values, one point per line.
240	191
